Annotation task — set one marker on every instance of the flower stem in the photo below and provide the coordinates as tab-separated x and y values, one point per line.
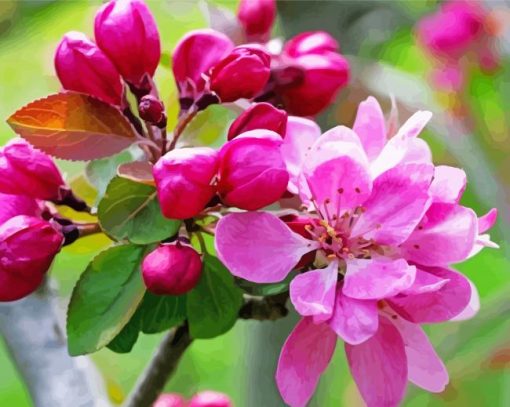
181	125
86	229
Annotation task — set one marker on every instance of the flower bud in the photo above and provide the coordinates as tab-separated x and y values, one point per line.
171	269
82	67
194	55
312	42
252	172
184	180
259	116
27	171
152	110
126	31
324	75
27	248
170	400
257	18
210	399
242	74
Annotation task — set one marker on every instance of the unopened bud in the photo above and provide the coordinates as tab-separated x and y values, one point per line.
152	110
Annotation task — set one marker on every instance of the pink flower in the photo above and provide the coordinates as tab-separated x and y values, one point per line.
27	248
184	180
27	171
259	116
171	269
210	399
386	234
252	172
170	400
257	18
126	31
242	74
82	67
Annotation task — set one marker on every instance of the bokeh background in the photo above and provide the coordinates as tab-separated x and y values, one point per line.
470	129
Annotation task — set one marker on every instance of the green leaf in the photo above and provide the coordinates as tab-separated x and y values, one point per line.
105	298
130	211
126	339
266	289
213	305
158	313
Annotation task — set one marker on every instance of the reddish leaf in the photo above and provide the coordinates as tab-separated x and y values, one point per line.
137	171
73	126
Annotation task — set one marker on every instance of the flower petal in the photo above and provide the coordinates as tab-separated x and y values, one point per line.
370	126
377	278
304	357
379	366
354	320
425	368
487	221
448	184
415	124
472	308
258	246
425	283
436	306
446	235
313	293
398	202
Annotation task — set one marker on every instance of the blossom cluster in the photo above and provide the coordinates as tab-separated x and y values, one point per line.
367	223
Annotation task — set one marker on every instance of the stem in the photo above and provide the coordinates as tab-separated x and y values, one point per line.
86	229
163	141
181	125
162	365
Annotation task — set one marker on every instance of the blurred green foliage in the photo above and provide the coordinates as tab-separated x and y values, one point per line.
242	362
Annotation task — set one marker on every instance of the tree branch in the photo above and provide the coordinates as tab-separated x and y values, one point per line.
32	332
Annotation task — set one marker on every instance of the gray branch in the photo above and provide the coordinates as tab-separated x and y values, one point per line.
36	342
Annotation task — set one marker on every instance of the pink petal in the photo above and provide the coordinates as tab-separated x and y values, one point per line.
472	308
370	126
417	151
437	306
258	246
300	135
304	357
446	235
425	368
313	293
415	124
398	202
487	221
425	283
377	278
448	184
354	320
379	366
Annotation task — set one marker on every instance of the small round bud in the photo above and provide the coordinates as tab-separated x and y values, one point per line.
210	399
152	110
171	269
170	400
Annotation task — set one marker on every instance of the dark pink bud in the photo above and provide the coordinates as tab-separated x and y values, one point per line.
324	75
82	67
27	171
259	116
126	31
184	179
257	18
196	53
27	248
210	399
252	173
313	42
170	400
152	110
242	74
171	269
14	205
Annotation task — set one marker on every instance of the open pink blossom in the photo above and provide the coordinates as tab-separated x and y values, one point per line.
386	234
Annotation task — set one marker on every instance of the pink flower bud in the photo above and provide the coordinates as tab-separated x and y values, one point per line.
252	173
257	18
171	269
259	116
184	179
27	248
14	205
152	110
313	42
126	31
242	74
27	171
82	67
324	75
170	400
210	399
194	55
